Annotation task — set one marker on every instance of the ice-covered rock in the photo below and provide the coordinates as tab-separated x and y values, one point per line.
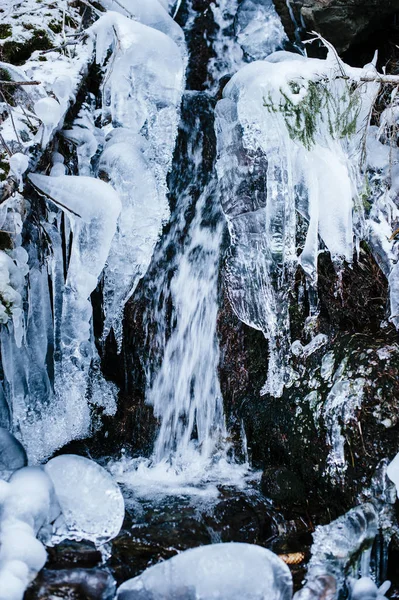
91	502
12	453
151	13
234	571
289	142
27	505
365	589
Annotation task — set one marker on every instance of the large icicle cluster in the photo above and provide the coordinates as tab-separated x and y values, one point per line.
142	91
291	137
94	230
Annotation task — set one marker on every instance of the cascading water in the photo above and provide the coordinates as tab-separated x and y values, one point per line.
185	393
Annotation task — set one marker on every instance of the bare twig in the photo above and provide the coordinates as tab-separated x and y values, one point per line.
61	47
7	149
41	193
11	116
20	82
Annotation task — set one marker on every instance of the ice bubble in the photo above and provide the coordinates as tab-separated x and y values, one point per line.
91	502
18	165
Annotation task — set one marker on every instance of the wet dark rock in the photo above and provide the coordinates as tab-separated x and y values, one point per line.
345	24
158	529
72	584
290	433
69	555
284	487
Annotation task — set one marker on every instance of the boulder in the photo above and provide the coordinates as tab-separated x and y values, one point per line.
343	23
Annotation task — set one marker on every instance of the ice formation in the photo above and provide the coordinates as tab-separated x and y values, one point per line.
335	547
27	506
365	589
290	134
142	94
152	13
393	472
50	362
91	502
18	165
13	268
231	570
258	28
92	208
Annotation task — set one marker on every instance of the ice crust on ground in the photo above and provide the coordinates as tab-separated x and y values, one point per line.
91	502
227	571
272	168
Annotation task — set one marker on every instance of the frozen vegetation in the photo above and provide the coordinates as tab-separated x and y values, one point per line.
296	131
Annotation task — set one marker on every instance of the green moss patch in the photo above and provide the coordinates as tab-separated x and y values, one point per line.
17	53
5	31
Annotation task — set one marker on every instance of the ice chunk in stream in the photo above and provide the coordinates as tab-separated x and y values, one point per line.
12	453
91	502
230	571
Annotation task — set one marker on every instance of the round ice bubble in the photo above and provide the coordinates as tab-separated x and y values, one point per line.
228	571
48	110
91	502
